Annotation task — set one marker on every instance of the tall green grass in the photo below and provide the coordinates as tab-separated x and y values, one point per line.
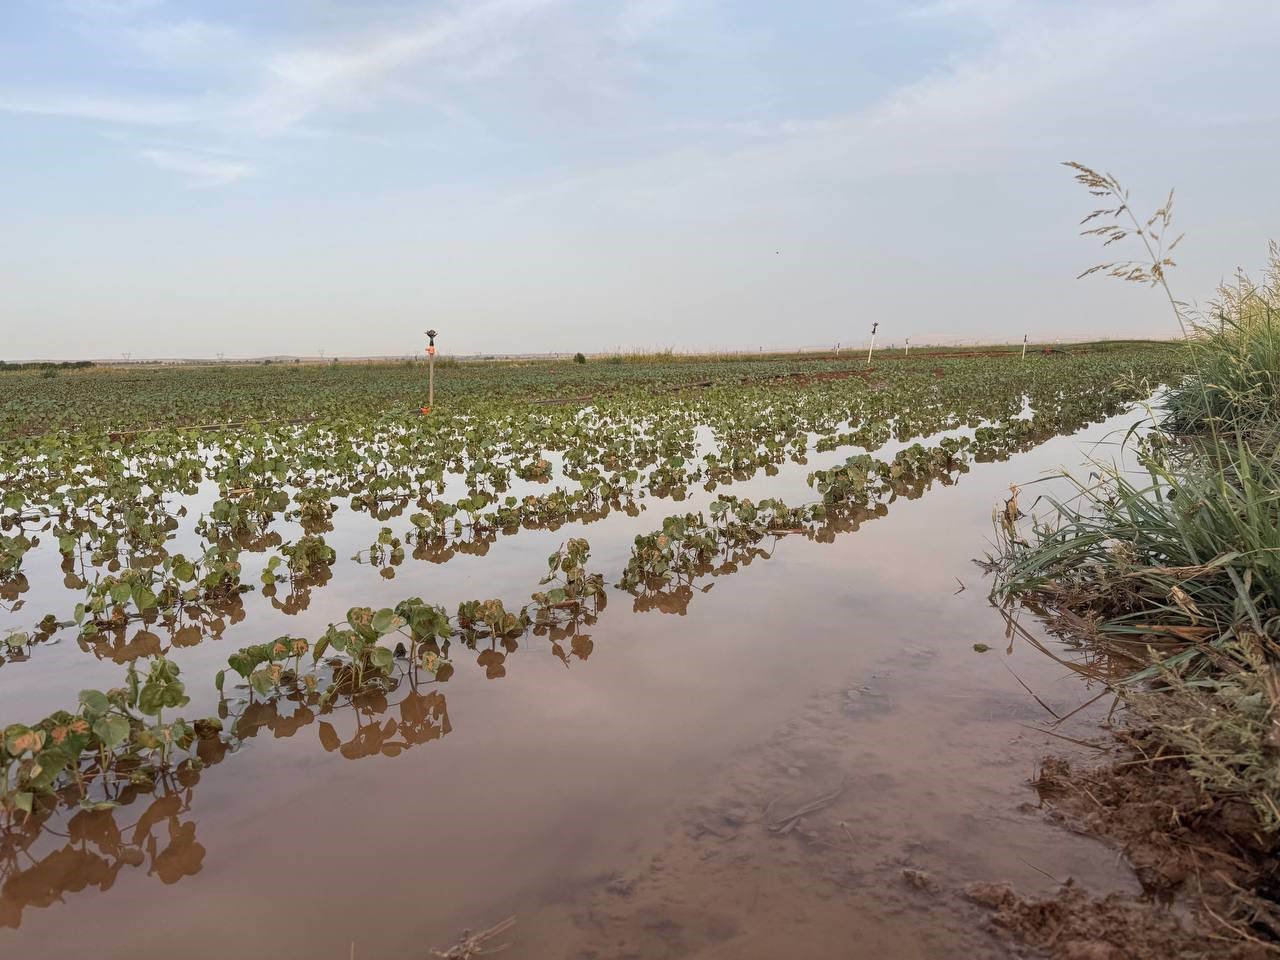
1236	354
1168	568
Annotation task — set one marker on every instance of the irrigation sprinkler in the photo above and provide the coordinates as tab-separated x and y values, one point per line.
1024	346
874	327
431	371
908	350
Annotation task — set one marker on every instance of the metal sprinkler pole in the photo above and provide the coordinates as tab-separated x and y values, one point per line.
1024	346
431	369
874	327
908	346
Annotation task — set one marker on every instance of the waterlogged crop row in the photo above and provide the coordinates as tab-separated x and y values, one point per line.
113	508
111	731
155	529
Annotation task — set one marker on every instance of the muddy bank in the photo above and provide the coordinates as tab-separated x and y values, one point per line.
1209	855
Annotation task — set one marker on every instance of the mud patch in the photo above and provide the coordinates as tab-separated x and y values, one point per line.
1183	845
1072	925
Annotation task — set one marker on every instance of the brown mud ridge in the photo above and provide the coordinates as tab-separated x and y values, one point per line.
1072	925
804	379
1206	858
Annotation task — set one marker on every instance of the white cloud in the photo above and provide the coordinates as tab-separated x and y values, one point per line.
200	169
135	112
306	80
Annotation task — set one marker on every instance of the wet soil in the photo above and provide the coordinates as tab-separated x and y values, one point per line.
1209	854
1073	925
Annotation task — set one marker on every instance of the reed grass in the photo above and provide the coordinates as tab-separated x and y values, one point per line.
1169	573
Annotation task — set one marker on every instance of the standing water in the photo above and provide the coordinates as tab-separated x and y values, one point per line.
806	758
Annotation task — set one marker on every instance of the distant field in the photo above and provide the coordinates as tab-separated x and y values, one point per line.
128	397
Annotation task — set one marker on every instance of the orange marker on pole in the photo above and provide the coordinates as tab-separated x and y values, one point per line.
431	371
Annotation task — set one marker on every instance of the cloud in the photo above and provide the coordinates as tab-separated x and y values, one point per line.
138	111
306	80
200	169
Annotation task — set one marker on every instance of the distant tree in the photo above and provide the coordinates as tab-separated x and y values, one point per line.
579	358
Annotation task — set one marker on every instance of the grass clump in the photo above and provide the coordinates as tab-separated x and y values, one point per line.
1170	573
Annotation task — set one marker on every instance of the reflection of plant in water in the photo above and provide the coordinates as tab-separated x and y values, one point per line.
687	545
175	586
422	717
97	846
314	508
386	552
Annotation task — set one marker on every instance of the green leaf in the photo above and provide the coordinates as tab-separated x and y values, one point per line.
382	658
95	702
151	699
244	661
261	682
112	731
23	800
144	598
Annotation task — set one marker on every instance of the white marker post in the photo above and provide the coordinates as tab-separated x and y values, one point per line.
874	328
1024	346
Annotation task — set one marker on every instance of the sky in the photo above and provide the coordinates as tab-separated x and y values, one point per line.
259	177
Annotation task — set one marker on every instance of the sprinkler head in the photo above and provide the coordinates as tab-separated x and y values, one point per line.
431	338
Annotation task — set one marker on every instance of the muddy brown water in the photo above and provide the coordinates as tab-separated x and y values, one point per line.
635	802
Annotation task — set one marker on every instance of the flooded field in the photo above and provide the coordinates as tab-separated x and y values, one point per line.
798	746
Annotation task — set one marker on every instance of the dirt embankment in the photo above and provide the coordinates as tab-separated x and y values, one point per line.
1210	875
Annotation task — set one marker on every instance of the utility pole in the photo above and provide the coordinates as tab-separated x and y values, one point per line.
431	371
874	327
